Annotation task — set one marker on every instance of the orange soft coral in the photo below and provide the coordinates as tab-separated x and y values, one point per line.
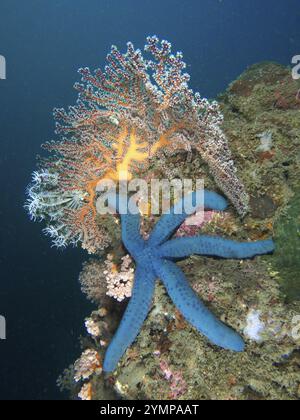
124	116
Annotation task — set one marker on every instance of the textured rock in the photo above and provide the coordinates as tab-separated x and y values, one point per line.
264	98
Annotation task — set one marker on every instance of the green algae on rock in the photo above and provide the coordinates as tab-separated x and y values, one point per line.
265	100
287	258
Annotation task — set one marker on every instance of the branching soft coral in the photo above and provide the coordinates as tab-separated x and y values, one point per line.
124	116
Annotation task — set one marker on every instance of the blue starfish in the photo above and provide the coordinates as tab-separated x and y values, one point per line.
155	259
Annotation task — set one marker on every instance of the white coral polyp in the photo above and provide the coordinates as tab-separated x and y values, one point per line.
255	327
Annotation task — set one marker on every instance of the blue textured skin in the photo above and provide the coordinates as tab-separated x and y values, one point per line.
155	259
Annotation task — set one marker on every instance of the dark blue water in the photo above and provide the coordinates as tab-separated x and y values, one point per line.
44	43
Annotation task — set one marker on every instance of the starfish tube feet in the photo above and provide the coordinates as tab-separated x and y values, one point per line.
133	319
189	304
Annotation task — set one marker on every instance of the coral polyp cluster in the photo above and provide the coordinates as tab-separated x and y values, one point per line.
99	279
124	116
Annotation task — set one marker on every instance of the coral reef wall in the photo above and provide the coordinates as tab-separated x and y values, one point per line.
262	110
258	298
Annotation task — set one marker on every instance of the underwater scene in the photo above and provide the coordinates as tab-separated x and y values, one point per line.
150	230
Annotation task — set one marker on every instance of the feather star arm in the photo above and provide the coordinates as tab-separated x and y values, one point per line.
132	321
213	246
168	223
194	310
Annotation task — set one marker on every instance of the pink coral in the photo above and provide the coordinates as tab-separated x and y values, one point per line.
119	281
191	225
99	279
178	386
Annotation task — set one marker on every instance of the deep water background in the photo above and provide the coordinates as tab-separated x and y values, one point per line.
44	43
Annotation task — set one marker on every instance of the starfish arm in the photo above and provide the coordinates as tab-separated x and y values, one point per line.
194	310
130	223
134	316
168	223
213	246
131	237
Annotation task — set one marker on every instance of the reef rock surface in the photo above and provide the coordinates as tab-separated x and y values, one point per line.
258	298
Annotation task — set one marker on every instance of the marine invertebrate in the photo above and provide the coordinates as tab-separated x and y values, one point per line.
268	370
105	278
176	381
93	283
119	281
192	224
69	218
266	139
86	393
155	258
124	116
92	328
255	326
88	364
